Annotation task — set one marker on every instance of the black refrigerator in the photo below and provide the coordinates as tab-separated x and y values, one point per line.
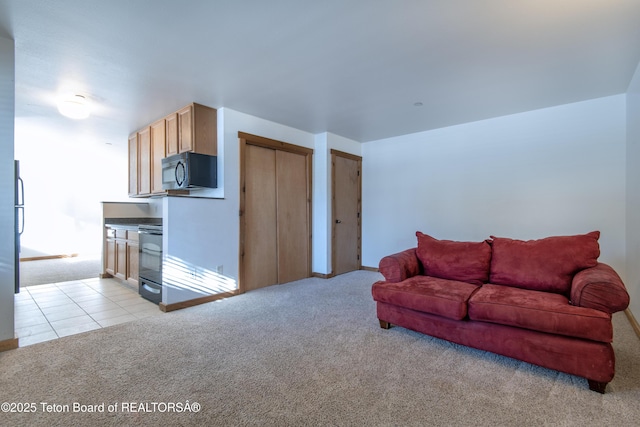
19	220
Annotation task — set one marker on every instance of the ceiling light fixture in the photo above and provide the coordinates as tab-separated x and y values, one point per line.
74	106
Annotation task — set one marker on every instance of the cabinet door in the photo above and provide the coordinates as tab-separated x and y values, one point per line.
144	161
171	126
110	257
132	264
121	259
185	129
133	165
205	130
157	154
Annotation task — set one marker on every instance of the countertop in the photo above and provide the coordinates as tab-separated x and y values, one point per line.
130	223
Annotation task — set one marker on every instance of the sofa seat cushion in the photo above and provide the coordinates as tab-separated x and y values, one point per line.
547	264
442	297
539	311
447	259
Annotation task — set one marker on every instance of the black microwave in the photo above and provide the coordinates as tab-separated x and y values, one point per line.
189	170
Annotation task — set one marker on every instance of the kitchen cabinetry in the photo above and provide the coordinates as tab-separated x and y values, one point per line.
157	153
197	129
110	252
133	165
193	128
144	162
171	127
132	258
121	254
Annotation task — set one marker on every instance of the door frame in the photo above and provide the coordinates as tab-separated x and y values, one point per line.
334	154
249	139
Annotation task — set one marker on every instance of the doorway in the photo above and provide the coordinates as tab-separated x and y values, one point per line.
275	212
346	188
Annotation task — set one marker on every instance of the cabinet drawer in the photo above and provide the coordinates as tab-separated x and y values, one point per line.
121	233
111	233
132	235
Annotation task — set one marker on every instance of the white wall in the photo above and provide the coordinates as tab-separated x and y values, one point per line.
633	194
547	172
7	239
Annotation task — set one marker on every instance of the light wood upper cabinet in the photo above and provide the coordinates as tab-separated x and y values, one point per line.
144	162
133	165
185	129
158	149
193	128
171	126
198	129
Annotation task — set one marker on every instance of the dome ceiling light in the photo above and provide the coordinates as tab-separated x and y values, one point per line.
74	106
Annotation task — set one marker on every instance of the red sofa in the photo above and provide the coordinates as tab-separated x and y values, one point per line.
547	302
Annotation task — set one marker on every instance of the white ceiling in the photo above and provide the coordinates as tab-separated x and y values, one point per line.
351	67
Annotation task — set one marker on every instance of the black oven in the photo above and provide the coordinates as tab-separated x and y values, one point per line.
150	262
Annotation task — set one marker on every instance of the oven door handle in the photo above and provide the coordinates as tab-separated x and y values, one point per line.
150	289
150	251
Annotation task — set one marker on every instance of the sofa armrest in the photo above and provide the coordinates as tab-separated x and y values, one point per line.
601	288
400	266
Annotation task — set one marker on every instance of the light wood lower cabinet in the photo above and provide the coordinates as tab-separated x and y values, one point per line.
132	260
121	255
121	259
110	256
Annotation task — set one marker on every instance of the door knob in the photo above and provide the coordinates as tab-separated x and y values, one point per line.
338	221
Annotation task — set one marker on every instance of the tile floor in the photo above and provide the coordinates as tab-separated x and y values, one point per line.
47	312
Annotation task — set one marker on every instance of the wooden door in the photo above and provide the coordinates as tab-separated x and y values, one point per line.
292	216
275	205
346	202
260	233
158	141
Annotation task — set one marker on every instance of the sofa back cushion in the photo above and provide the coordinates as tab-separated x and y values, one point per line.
463	261
543	265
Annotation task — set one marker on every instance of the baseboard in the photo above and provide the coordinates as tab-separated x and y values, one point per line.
196	301
330	275
9	344
634	323
40	258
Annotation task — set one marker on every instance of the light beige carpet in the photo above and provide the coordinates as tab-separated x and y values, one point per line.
57	270
306	353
